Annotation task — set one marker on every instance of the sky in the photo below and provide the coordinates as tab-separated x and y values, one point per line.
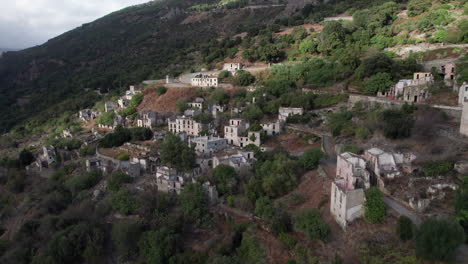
27	23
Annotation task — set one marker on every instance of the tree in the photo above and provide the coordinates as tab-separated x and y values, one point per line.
224	74
331	37
263	207
125	236
437	239
250	250
311	224
124	202
311	158
181	105
194	203
308	46
220	97
225	178
177	154
396	124
116	180
416	7
281	222
243	78
405	228
25	157
159	246
376	63
374	206
379	82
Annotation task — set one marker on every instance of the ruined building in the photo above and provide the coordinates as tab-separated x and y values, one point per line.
347	190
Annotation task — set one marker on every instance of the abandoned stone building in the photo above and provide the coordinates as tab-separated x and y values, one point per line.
196	104
147	119
464	119
169	180
415	90
202	80
118	121
192	112
87	115
187	125
237	159
207	144
272	127
93	165
347	190
448	72
215	109
285	112
110	106
387	166
463	94
237	134
232	67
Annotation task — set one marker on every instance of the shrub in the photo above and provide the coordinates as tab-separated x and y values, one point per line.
226	178
311	158
350	148
243	78
404	228
281	222
288	240
396	124
83	181
461	205
123	202
437	168
123	156
379	82
437	240
362	132
263	208
224	75
125	236
311	224
160	90
116	180
416	7
374	206
194	203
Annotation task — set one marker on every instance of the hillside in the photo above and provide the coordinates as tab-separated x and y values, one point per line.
125	47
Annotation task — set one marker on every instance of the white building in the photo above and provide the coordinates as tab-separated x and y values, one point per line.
237	134
415	90
204	81
168	180
187	125
232	67
285	112
347	190
208	144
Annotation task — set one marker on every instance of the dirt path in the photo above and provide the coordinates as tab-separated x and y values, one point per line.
187	77
404	51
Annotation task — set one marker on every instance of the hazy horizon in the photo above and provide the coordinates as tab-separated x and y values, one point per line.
24	24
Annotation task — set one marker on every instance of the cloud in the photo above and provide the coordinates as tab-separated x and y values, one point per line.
26	23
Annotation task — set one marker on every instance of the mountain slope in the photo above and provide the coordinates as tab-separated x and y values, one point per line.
125	47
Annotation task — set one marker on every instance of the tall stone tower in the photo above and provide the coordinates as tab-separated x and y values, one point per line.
464	119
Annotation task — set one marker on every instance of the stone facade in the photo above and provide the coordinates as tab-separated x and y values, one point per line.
273	127
204	81
237	160
187	125
208	144
147	119
415	90
87	114
464	120
232	67
285	112
236	134
347	190
463	94
110	106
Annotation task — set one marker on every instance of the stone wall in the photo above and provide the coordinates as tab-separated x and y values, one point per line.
452	111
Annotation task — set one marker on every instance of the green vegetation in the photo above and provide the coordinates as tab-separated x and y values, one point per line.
461	205
396	124
437	168
106	118
243	78
124	202
176	154
116	180
374	206
160	90
436	240
311	158
225	178
194	203
405	228
311	224
122	135
380	82
83	181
